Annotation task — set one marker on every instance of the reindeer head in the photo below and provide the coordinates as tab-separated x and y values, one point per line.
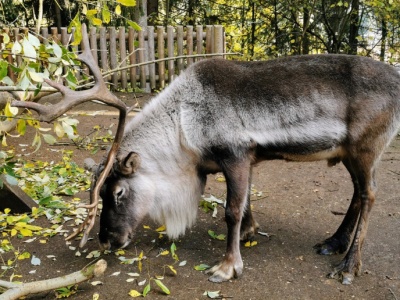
127	195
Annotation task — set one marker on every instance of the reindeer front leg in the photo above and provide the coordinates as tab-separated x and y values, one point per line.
237	174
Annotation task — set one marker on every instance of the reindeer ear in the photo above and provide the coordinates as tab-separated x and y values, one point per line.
129	164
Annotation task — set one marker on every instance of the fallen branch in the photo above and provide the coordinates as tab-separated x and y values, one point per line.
15	290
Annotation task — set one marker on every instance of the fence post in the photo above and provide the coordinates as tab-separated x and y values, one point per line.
218	39
142	49
161	55
179	43
122	53
151	56
132	57
209	39
189	43
199	40
170	53
93	43
113	56
103	50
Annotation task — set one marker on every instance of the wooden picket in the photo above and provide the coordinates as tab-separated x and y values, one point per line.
118	48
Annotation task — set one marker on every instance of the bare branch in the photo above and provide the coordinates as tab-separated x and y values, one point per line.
15	291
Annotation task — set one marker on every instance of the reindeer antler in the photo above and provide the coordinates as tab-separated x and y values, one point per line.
71	99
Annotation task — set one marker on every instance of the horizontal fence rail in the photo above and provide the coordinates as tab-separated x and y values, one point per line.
119	48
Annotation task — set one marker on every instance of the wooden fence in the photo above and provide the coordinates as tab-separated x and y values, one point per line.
119	48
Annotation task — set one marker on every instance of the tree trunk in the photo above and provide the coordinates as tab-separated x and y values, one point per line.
383	42
354	25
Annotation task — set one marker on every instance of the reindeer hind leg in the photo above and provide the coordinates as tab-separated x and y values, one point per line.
249	226
351	264
340	240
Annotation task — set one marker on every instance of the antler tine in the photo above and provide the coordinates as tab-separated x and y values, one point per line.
88	224
72	98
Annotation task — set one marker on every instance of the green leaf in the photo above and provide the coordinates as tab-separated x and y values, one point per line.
162	286
201	267
21	126
16	48
33	40
105	14
3	69
76	23
57	50
11	179
49	139
173	254
146	290
29	50
134	25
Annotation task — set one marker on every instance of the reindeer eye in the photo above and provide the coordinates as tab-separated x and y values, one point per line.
118	194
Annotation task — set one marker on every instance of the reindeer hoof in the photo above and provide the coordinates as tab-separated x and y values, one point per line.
330	246
247	234
224	271
346	277
346	271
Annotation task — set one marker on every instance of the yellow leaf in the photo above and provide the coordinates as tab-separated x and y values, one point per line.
4	141
120	252
146	227
118	10
91	12
13	232
134	293
7	211
24	256
162	228
172	269
10	111
165	252
127	2
21	126
97	21
25	232
96	296
28	226
250	244
42	241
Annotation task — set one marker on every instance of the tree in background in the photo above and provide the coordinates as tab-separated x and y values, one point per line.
258	29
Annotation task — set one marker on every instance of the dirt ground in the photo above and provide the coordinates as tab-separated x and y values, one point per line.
299	208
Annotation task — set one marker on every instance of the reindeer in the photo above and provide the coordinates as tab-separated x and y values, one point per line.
226	116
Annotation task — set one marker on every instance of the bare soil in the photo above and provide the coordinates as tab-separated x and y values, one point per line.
302	204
